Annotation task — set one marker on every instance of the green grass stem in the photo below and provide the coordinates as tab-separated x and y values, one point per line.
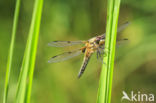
11	51
26	75
105	84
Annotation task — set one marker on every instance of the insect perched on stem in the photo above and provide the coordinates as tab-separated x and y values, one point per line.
95	44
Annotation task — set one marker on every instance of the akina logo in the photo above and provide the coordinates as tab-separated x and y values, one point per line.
138	97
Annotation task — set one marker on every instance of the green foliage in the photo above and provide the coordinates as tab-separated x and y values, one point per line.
27	69
11	51
79	20
105	85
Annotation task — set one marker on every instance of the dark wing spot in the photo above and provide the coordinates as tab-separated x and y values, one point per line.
68	41
54	56
125	39
69	52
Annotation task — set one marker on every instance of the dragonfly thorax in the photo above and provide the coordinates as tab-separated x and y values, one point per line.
91	46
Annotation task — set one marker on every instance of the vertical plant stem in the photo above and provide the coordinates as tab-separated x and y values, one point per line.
26	74
11	51
105	85
37	19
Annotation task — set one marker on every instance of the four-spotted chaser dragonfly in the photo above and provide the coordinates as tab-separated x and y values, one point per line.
95	44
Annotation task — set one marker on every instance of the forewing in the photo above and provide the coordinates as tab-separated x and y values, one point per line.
65	56
64	43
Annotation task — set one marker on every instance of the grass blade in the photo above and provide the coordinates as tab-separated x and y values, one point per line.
26	74
11	51
105	84
37	17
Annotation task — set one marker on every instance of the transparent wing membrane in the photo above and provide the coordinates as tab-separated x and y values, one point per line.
64	43
121	41
123	26
65	56
120	28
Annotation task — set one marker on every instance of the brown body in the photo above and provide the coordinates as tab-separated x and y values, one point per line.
90	47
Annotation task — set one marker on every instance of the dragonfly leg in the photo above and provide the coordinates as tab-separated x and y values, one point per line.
97	54
100	55
105	52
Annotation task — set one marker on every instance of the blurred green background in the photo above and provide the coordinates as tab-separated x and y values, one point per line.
135	62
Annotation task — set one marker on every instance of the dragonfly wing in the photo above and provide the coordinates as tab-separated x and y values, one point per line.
121	42
64	43
83	67
65	56
122	27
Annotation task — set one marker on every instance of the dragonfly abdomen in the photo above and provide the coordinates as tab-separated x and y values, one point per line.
83	67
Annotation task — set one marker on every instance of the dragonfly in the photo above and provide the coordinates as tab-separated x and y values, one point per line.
95	44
